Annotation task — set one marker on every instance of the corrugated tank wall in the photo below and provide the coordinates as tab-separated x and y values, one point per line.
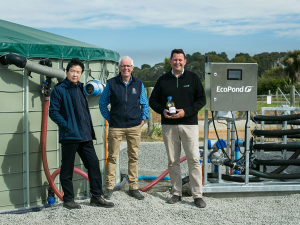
22	179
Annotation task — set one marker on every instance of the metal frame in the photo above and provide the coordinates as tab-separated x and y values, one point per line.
217	185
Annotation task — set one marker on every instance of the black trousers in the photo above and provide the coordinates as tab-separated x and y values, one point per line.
87	153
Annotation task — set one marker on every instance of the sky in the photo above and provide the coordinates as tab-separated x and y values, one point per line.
147	31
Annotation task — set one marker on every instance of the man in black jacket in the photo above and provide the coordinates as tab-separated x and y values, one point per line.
181	128
69	110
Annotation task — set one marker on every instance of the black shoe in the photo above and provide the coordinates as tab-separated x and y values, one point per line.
108	194
71	205
101	202
200	203
174	199
136	194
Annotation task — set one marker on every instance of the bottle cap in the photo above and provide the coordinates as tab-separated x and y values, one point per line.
170	97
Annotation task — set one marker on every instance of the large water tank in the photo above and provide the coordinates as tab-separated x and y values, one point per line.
23	183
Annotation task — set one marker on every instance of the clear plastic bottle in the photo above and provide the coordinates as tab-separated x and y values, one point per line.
171	106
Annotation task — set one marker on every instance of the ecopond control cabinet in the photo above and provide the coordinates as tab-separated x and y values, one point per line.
231	86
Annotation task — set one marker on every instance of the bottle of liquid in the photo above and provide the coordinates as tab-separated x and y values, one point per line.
171	106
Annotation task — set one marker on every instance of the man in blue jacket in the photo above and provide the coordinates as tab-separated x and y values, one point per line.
128	113
69	110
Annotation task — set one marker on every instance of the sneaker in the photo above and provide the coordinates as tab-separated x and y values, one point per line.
136	194
199	203
100	202
108	194
71	205
174	199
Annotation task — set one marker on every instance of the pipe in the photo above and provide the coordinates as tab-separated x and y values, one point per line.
238	143
45	70
22	62
274	133
257	118
159	178
151	178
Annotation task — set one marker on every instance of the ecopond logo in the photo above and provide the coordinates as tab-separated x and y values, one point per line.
234	89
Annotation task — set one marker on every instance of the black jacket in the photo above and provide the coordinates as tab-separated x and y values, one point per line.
189	95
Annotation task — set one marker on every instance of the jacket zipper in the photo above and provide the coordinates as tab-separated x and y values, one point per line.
82	113
125	100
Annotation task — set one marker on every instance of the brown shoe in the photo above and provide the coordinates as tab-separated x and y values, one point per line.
71	205
136	194
100	202
199	203
174	199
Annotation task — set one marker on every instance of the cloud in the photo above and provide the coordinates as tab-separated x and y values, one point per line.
231	17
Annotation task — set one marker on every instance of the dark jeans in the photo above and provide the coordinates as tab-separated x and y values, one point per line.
90	160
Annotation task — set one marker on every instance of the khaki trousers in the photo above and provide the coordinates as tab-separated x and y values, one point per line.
133	138
173	136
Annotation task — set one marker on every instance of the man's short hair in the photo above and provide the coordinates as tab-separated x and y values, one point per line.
75	62
125	57
177	51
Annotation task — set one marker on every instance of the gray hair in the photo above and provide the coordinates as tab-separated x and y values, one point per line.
125	57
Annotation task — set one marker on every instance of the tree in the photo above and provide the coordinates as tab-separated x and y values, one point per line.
224	56
167	65
292	63
145	66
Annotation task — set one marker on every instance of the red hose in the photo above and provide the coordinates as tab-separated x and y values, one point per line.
50	177
159	178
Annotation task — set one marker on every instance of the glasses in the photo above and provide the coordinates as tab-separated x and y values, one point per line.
74	71
125	66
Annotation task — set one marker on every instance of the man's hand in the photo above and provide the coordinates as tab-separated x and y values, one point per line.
166	114
180	113
142	123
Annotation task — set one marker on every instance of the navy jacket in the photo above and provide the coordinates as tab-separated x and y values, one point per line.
63	112
125	102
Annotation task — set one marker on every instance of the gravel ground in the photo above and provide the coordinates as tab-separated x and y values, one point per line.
154	210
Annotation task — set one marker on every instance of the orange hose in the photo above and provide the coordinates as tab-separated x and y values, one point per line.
159	178
50	177
105	141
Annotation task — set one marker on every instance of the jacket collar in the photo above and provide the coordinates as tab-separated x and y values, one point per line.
172	75
68	84
132	79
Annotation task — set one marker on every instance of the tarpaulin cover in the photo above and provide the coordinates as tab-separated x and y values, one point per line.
34	43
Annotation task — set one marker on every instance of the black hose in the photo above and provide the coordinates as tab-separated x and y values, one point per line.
257	118
233	178
27	210
274	133
289	162
293	136
282	168
274	176
276	146
290	122
15	59
124	178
